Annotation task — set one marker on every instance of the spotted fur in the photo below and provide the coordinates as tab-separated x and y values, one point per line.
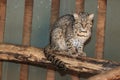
69	33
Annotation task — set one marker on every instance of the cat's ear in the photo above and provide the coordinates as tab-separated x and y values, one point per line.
91	16
75	15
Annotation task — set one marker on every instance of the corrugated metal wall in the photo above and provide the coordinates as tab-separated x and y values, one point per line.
40	28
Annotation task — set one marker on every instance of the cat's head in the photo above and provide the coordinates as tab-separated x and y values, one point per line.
84	20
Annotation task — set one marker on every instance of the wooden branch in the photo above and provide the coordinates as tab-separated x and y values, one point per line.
84	66
113	74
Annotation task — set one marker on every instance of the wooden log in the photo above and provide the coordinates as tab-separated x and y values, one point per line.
26	34
83	66
20	53
100	29
113	74
3	4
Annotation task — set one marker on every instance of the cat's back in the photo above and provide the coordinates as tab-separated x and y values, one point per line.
65	20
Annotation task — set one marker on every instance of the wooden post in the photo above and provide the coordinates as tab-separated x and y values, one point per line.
2	18
54	16
100	29
54	11
79	8
2	26
26	34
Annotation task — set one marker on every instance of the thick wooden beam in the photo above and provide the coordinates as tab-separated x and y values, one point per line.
26	34
100	29
3	4
83	66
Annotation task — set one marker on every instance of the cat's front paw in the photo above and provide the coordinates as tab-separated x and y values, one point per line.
82	54
69	53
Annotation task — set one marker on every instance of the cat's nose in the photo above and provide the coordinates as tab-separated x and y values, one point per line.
83	25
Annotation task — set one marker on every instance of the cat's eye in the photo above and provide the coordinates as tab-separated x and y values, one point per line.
90	23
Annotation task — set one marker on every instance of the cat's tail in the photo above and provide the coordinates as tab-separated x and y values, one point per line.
54	60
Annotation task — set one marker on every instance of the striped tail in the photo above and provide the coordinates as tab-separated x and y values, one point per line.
55	61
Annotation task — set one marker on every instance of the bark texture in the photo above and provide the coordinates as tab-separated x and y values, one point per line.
113	74
83	66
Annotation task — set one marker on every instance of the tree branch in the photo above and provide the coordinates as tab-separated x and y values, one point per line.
113	74
83	66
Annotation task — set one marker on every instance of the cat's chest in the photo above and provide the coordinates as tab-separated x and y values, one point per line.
77	41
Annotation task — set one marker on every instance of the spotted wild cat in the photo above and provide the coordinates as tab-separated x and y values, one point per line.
70	32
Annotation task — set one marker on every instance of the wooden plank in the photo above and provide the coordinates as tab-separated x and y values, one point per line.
26	34
3	4
100	29
55	6
79	5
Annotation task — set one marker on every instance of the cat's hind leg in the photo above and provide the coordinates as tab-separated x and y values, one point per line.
58	39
